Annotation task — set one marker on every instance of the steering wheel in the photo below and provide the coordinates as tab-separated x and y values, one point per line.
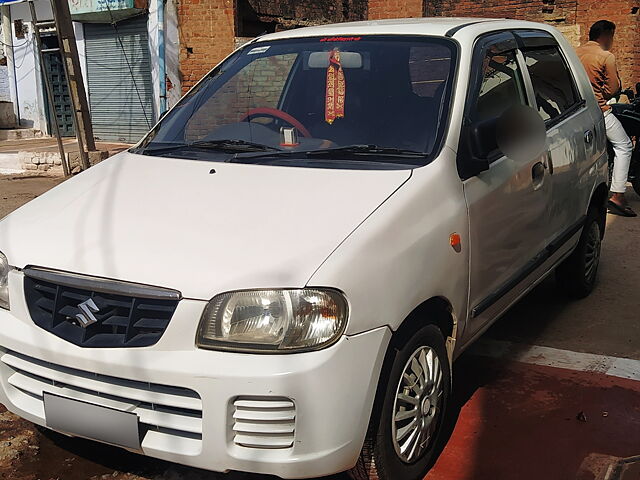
279	114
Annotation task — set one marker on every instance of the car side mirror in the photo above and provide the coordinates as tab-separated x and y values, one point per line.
479	147
518	133
483	138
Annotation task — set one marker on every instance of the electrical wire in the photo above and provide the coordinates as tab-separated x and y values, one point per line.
28	41
15	46
126	59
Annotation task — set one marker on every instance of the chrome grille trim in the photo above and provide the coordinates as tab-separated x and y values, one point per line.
102	285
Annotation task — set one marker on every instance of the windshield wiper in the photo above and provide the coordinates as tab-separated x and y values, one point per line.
336	152
221	145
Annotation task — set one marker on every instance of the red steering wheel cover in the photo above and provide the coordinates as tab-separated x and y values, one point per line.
274	112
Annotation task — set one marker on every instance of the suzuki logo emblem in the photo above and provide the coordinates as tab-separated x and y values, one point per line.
86	316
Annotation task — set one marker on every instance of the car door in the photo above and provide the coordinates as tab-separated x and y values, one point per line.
570	128
508	204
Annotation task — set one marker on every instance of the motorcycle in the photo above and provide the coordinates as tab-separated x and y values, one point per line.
629	116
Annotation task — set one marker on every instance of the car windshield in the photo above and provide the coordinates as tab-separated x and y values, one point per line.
366	99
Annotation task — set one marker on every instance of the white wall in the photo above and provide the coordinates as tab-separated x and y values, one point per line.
27	69
172	53
171	47
5	89
152	28
7	39
28	80
78	31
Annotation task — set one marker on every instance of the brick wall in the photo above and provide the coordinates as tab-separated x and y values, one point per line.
552	11
206	36
258	85
306	11
209	28
379	9
572	17
626	46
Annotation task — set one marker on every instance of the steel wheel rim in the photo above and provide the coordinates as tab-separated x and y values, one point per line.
592	253
417	405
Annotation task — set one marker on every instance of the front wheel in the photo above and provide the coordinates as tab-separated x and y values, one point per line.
577	274
413	398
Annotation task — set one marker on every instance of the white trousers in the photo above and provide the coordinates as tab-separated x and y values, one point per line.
622	148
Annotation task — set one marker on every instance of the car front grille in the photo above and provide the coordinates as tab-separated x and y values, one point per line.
115	314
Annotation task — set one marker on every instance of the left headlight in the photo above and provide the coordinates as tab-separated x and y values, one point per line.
4	282
273	320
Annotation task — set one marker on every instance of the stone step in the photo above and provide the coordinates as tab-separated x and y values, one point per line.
50	161
20	134
10	163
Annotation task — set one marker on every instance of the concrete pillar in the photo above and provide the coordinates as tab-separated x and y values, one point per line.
7	39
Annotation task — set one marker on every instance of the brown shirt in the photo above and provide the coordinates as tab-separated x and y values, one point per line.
603	73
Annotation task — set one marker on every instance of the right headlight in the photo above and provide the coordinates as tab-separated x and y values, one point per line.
277	321
4	282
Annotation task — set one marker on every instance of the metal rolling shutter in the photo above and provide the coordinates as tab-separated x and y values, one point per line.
116	110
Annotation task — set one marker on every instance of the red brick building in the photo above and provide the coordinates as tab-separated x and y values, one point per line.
211	29
572	17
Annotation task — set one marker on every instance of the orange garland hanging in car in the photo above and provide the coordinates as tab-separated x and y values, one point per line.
336	89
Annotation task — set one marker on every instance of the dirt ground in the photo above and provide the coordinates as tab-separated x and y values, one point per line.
16	190
606	323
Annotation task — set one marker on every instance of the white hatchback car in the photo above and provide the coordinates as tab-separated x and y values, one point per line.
278	278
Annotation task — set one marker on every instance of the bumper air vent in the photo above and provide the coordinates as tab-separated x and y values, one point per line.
264	422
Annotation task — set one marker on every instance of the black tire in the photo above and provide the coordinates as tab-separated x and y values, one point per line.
379	459
610	156
636	184
577	275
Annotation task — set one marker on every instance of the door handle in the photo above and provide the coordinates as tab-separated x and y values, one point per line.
588	137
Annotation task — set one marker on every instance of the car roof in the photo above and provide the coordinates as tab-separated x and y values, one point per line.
435	26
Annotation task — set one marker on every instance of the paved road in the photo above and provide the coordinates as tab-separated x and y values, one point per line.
509	420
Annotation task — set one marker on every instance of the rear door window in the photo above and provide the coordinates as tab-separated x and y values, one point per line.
553	84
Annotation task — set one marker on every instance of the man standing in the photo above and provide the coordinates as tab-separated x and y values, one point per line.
600	65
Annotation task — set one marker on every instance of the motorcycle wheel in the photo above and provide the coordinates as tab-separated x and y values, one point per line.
636	185
634	169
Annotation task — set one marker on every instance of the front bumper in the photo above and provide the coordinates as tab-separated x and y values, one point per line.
308	413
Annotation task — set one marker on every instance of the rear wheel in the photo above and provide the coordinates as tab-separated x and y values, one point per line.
404	431
578	273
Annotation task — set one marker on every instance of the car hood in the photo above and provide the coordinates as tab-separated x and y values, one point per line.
179	224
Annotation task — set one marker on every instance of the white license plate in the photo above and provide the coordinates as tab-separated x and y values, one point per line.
90	421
